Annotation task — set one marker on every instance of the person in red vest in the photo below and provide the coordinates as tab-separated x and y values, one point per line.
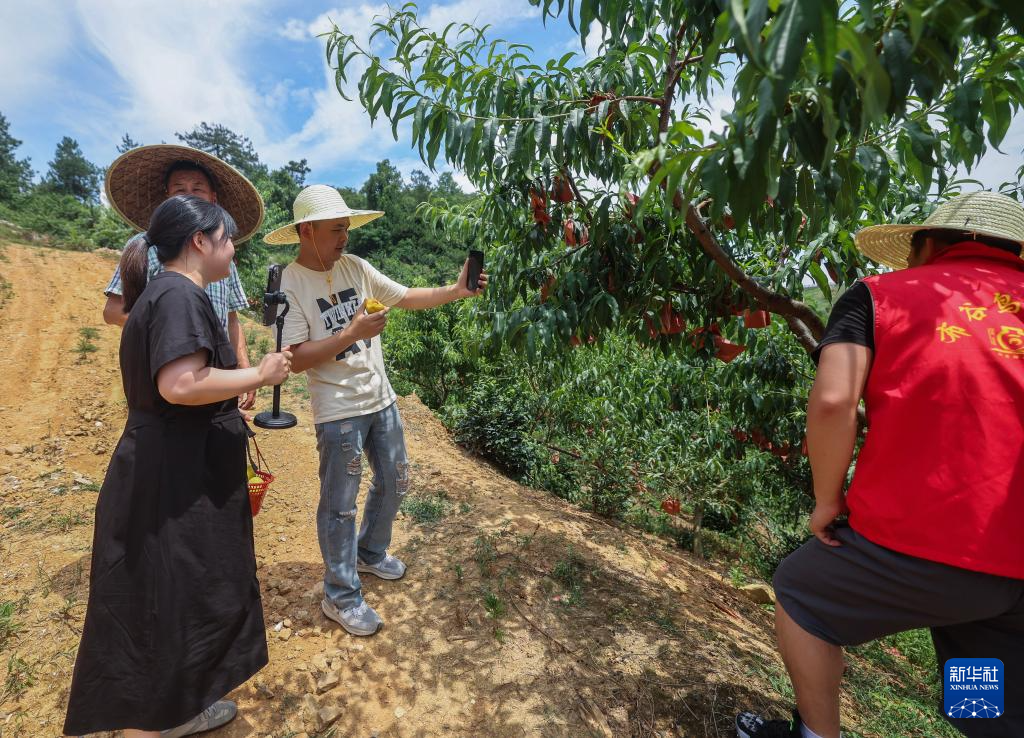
933	535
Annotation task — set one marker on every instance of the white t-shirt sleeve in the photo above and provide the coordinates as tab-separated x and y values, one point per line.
383	288
296	327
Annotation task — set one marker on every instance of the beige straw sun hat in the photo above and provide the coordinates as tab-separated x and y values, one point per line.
982	213
319	202
136	184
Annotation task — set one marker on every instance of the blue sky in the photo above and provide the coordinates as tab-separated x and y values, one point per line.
95	69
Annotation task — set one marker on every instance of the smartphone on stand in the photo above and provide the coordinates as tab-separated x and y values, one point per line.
476	266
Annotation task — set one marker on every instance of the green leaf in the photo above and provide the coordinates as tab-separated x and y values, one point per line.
569	137
876	167
417	122
787	41
587	14
400	113
541	127
873	81
966	104
818	274
437	127
897	62
806	196
822	22
451	128
748	25
512	139
490	136
809	136
998	114
922	143
915	17
867	12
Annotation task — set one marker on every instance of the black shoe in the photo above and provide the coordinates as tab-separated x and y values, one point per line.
751	725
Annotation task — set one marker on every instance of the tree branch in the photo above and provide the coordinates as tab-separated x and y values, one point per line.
642	98
773	301
671	78
576	192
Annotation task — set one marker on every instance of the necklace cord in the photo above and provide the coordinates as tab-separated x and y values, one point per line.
316	250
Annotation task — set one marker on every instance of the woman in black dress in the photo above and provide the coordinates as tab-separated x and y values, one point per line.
174	620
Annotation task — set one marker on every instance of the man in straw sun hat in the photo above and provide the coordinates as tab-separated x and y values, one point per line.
336	340
142	178
936	351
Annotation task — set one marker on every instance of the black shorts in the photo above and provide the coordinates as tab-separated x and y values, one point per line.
857	592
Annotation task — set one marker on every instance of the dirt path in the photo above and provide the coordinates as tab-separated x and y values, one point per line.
520	615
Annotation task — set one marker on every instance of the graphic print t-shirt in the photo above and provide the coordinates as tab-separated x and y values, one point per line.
353	382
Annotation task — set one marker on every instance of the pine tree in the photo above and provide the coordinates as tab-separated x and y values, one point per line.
15	174
127	144
226	145
72	174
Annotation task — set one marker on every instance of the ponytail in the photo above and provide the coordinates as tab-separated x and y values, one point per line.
134	269
173	224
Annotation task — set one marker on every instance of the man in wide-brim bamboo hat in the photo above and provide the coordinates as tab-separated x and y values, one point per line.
142	178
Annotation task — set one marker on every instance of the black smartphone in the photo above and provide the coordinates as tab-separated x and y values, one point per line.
476	266
270	299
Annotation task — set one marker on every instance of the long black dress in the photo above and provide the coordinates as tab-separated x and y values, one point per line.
174	620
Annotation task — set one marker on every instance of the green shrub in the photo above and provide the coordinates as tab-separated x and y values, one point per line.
425	509
618	427
496	420
68	222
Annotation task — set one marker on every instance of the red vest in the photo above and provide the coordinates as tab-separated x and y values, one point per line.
941	472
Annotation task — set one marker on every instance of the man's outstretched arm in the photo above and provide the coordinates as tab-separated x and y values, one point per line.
421	298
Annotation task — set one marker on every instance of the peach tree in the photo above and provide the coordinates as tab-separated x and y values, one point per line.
683	181
611	199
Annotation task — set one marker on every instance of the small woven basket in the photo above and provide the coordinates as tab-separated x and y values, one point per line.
257	490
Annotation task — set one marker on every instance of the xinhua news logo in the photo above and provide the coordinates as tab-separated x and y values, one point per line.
973	688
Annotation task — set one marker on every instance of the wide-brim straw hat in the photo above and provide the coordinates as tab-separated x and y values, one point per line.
319	202
136	185
982	213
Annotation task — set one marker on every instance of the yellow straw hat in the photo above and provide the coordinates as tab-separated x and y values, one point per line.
136	184
319	202
982	213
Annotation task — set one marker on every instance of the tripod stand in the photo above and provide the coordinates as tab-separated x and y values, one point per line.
275	420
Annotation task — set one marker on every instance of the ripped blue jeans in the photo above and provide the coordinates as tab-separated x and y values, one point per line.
341	444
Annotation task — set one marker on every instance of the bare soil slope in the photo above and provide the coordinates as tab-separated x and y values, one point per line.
520	615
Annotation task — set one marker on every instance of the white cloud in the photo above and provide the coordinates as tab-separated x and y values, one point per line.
338	130
478	12
463	181
295	30
178	72
166	67
37	34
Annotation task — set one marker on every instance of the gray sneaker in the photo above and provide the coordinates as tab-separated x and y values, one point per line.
389	567
212	717
359	620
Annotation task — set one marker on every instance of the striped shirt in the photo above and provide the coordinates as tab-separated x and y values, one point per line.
226	295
